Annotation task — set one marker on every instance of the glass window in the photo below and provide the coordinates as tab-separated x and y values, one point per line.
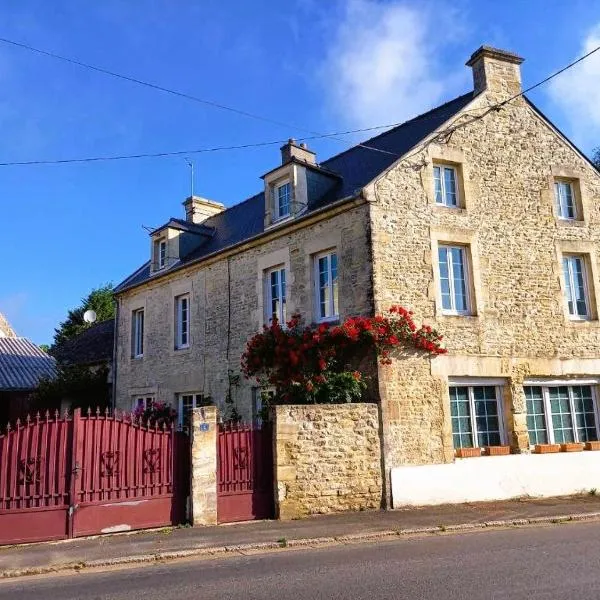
561	414
281	201
141	403
276	295
186	402
182	321
475	414
565	200
446	189
575	286
453	279
138	333
326	276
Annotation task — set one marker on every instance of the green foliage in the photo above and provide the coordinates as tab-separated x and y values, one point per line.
596	157
338	388
80	386
99	300
44	347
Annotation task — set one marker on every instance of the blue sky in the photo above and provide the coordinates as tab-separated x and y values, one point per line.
322	66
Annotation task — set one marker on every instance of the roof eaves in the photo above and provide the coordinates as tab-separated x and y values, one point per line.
122	288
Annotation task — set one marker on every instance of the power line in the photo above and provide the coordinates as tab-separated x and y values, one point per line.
185	95
444	134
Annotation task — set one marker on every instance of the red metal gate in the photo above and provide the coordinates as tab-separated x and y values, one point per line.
69	477
245	473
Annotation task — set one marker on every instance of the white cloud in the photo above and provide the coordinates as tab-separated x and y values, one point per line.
577	91
385	63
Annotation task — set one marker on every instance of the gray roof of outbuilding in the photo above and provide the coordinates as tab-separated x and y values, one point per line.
23	364
356	167
93	345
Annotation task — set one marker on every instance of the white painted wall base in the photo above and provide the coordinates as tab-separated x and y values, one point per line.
496	478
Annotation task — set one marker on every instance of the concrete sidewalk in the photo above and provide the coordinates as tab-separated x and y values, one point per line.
171	543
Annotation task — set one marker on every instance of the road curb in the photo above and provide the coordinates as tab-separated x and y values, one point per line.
240	549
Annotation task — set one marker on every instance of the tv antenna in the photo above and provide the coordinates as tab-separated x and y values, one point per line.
191	166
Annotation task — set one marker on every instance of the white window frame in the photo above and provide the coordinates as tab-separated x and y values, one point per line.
197	400
548	408
468	280
142	400
473	416
571	284
282	290
160	253
182	336
137	333
277	216
441	167
559	200
333	297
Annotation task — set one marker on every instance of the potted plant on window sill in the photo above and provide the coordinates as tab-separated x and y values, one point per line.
572	447
467	452
496	450
546	448
592	445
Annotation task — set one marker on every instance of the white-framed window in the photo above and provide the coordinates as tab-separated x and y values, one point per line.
558	414
455	281
137	333
142	402
476	414
261	396
182	321
160	253
576	286
566	204
185	403
282	200
445	179
326	286
275	285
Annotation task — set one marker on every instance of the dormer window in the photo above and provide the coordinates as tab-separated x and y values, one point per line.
282	199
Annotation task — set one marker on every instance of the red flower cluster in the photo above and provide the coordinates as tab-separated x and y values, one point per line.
297	358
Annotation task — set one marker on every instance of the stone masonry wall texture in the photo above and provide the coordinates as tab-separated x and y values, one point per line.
327	459
519	328
203	367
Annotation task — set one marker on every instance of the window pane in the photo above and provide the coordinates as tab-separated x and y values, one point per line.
450	186
562	423
444	278
536	422
334	282
283	200
461	420
438	185
324	287
283	315
458	271
568	289
585	417
487	419
578	280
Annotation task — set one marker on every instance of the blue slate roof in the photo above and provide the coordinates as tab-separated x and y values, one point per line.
92	346
23	364
356	167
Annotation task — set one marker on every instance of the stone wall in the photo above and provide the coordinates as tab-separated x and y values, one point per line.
327	459
226	308
203	466
519	328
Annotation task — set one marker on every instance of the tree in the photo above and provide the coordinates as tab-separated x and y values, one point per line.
79	386
99	300
596	157
323	364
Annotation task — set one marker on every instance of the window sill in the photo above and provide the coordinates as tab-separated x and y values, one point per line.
329	321
570	222
182	349
459	210
139	357
584	323
458	317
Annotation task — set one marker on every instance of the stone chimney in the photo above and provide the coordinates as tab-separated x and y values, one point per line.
197	209
496	71
297	151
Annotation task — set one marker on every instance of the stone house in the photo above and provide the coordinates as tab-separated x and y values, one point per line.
480	216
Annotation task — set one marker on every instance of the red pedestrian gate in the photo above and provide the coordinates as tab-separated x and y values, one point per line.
76	476
245	473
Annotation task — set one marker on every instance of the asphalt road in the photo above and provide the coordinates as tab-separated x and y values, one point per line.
561	562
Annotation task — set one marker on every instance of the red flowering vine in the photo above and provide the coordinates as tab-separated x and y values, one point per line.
315	364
